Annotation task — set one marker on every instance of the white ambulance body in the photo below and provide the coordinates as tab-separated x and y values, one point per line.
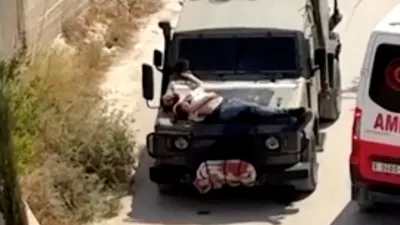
375	156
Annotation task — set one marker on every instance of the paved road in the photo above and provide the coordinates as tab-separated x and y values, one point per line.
329	204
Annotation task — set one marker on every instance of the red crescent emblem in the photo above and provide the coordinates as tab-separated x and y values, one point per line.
392	75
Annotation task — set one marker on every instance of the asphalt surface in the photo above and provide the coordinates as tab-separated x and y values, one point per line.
328	205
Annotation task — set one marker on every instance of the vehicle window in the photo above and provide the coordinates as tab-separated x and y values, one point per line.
249	54
208	54
384	87
267	54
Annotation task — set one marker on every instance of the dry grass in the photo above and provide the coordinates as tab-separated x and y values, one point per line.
76	158
111	22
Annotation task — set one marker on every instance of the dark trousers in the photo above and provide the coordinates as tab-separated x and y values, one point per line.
238	111
239	119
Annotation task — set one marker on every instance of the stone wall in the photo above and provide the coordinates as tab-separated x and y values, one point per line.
8	27
37	20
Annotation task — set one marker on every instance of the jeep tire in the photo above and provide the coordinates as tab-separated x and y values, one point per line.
310	184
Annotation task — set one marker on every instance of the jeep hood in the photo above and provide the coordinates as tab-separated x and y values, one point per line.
284	93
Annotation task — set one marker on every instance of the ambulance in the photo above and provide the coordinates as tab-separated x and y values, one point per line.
375	150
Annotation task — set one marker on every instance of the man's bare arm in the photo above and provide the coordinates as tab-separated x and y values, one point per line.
193	78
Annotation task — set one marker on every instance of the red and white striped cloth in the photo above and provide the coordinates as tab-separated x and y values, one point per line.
213	174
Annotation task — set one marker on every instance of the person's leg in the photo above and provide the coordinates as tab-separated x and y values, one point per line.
273	115
235	109
231	109
268	114
231	116
266	111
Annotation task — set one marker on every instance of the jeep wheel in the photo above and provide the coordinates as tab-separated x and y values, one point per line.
310	184
286	196
166	189
336	88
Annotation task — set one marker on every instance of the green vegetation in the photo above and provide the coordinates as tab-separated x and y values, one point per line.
11	206
74	153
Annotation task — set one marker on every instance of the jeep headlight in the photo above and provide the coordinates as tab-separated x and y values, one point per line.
181	143
272	143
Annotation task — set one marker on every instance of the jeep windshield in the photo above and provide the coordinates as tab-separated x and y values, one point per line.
241	55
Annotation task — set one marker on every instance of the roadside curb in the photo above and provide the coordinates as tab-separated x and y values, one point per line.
30	216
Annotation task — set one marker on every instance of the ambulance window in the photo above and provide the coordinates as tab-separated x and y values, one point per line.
385	78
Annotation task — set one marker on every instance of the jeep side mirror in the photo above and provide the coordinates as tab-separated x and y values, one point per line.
165	27
157	58
147	82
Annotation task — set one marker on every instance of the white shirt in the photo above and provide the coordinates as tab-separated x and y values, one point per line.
205	102
197	95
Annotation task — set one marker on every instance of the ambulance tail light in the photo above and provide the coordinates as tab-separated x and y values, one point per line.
355	142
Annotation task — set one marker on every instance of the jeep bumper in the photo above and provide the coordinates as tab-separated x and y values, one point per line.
360	192
363	190
181	175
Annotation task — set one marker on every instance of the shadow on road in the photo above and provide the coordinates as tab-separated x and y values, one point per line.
148	206
350	216
180	210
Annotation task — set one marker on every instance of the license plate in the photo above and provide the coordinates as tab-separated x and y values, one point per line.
390	168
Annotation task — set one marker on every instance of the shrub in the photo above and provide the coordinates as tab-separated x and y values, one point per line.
11	206
74	151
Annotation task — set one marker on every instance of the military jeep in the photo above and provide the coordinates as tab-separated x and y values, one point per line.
269	57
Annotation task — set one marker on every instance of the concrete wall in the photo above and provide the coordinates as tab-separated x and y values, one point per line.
8	27
31	218
38	20
2	222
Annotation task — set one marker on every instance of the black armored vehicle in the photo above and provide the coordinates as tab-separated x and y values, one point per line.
269	52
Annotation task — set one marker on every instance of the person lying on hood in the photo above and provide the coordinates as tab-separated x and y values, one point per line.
202	105
181	75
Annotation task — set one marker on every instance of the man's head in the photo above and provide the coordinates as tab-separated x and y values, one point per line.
169	100
181	66
180	112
